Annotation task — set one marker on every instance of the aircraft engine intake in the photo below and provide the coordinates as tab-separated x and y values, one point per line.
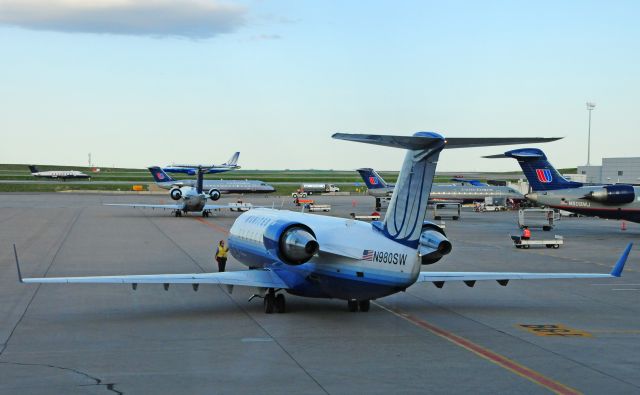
433	246
293	243
214	194
613	194
175	193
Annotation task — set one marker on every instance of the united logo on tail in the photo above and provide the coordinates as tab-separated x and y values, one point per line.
544	175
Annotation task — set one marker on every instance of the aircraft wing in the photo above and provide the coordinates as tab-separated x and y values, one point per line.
439	278
162	206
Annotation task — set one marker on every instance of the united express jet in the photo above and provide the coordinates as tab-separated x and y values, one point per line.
328	257
613	201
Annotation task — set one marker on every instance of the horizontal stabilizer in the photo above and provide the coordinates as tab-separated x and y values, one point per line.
422	140
419	141
468	142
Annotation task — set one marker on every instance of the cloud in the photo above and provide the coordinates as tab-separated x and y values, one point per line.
197	19
267	37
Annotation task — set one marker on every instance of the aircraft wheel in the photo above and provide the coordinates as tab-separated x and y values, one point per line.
364	305
455	218
269	302
546	228
437	217
280	304
556	246
526	246
549	245
352	305
518	246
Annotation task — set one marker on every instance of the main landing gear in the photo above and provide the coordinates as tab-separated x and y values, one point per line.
273	302
177	213
206	213
354	305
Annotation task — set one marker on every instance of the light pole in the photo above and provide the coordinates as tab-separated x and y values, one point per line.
590	107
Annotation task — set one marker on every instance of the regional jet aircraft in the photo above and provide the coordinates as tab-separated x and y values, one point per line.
58	174
192	170
378	188
214	188
328	257
189	199
614	201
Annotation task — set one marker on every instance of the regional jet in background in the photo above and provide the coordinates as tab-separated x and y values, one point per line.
57	174
188	199
192	170
380	189
215	188
321	256
612	201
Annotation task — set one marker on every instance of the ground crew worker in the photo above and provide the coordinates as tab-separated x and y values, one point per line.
526	233
221	256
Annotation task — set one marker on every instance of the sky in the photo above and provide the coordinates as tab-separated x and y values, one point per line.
151	82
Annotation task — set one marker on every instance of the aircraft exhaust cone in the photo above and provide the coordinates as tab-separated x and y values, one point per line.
298	246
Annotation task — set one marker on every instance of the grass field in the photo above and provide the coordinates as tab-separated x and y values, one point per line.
67	186
349	181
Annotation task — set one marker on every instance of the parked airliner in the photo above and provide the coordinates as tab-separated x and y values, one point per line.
379	188
613	201
328	257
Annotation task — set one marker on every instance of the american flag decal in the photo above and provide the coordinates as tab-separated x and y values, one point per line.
367	255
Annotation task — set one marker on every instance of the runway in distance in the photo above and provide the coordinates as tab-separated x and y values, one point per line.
57	174
612	201
379	188
215	188
189	199
328	257
192	170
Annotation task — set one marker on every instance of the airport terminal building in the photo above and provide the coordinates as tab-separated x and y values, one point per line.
613	170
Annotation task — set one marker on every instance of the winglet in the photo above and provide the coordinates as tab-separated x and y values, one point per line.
617	269
15	253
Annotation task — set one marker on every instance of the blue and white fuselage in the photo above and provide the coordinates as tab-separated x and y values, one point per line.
371	267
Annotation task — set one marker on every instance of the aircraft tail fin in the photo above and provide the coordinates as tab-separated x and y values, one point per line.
159	175
33	169
233	161
372	179
541	174
408	207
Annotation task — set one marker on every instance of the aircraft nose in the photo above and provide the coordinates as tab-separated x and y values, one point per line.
532	196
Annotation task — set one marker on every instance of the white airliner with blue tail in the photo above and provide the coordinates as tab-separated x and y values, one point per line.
326	257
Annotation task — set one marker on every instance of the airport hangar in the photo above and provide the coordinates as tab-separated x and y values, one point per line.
613	171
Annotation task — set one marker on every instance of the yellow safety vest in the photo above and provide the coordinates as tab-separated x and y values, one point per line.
222	252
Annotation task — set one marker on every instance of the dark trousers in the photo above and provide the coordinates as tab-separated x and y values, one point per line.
222	263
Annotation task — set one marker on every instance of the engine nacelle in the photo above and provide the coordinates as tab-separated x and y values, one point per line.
293	243
214	194
433	246
175	193
613	194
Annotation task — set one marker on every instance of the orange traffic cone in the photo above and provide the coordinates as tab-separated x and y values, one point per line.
624	226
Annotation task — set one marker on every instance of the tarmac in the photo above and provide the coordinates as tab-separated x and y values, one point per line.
562	336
